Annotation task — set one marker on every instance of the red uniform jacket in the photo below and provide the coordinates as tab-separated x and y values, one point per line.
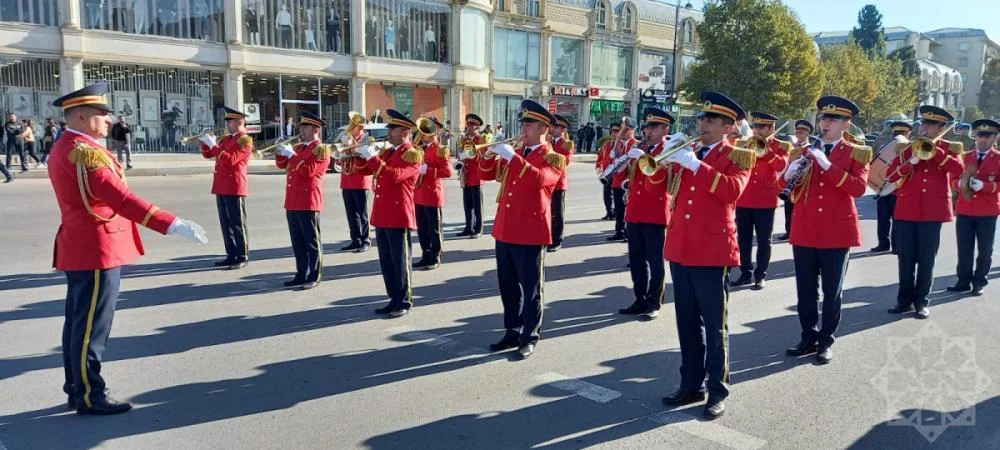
925	195
525	197
105	235
232	155
985	203
429	191
563	147
825	215
761	192
648	199
619	177
304	186
702	229
603	159
471	173
395	173
350	178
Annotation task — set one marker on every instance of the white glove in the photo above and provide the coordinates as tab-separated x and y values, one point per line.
367	152
423	169
686	159
189	229
976	184
635	153
914	160
208	140
821	158
504	151
794	167
675	139
286	150
899	139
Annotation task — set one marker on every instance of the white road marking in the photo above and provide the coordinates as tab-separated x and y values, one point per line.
711	431
445	344
582	388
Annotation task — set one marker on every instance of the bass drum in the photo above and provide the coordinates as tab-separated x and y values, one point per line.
879	166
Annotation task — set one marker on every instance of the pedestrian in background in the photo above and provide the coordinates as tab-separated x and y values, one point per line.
14	131
48	138
29	141
121	141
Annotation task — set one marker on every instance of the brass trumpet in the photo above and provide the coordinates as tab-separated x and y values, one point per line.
425	127
341	151
274	146
470	150
185	140
649	164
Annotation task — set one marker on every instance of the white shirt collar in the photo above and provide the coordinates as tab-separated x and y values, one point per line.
835	143
86	136
711	147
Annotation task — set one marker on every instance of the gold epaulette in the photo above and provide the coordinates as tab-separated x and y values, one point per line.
322	151
443	151
570	145
862	153
786	146
413	156
245	140
742	157
739	142
89	156
795	153
555	160
956	147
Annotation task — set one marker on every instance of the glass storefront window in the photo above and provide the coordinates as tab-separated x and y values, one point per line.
567	59
162	103
27	88
571	109
654	71
186	19
505	109
475	25
611	65
41	12
516	54
412	30
299	24
283	97
606	112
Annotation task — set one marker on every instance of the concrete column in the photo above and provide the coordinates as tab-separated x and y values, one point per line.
588	51
70	74
233	85
358	20
358	94
634	83
233	18
455	33
454	104
69	12
545	66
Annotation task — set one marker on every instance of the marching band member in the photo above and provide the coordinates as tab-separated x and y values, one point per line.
618	147
97	235
603	161
755	208
978	209
562	145
306	166
232	155
522	227
395	170
354	186
886	204
803	130
701	246
646	216
429	199
825	224
924	203
471	179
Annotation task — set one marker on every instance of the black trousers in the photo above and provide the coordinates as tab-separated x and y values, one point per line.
472	202
558	216
520	274
749	220
356	206
701	295
394	259
233	219
307	244
3	170
789	209
917	243
429	233
90	308
645	259
886	206
13	145
974	233
619	199
609	204
811	266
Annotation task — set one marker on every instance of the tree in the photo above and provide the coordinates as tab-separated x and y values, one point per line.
876	85
869	33
972	113
989	93
758	53
907	56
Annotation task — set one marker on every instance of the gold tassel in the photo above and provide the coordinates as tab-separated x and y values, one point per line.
744	158
322	151
413	156
862	154
443	151
556	160
956	147
89	156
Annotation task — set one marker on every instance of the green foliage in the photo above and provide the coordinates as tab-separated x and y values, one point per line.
877	85
869	33
972	113
758	53
989	94
907	56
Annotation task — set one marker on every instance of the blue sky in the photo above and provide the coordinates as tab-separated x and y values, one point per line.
917	15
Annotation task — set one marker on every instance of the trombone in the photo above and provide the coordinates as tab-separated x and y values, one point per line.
649	164
205	132
759	145
923	147
341	151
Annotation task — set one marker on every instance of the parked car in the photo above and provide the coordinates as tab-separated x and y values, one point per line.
376	131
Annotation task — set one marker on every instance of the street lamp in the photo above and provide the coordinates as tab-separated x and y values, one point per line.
672	95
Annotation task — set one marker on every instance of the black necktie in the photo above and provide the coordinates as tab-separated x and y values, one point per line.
827	148
702	152
981	156
526	151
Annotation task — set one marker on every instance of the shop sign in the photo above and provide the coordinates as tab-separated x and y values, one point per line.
570	91
252	110
553	106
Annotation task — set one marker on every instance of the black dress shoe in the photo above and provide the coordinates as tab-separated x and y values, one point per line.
649	314
825	355
224	263
977	290
8	180
237	265
616	237
70	402
309	285
464	233
958	288
608	217
553	248
351	246
683	397
802	348
508	341
901	309
363	248
103	406
895	251
421	263
633	309
432	266
399	312
386	309
783	237
743	280
758	285
714	409
475	235
526	350
922	313
293	282
879	249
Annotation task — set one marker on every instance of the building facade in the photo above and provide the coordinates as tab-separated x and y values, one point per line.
969	51
172	64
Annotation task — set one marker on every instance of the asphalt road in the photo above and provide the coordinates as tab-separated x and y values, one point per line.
220	359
